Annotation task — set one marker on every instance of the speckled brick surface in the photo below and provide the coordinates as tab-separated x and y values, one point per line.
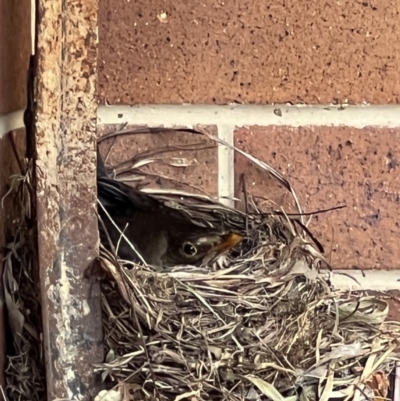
331	166
14	53
201	166
158	51
393	299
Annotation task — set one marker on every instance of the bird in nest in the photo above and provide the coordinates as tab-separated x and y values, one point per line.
169	230
163	231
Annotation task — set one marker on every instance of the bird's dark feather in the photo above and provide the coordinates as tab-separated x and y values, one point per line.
159	227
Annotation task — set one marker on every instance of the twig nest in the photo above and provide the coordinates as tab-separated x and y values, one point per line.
268	324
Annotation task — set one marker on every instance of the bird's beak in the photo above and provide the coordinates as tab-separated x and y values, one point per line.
227	243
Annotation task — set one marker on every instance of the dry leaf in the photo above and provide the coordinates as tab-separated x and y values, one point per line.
379	383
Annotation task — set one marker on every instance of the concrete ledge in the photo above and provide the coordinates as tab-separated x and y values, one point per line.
374	280
243	115
239	115
226	166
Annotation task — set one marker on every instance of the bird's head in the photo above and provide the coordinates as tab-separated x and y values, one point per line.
198	248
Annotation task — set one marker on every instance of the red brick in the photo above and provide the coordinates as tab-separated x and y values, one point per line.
249	51
14	53
393	300
331	166
202	173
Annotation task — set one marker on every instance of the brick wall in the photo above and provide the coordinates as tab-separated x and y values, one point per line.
247	51
162	54
245	67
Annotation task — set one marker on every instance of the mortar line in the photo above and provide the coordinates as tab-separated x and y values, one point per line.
374	280
246	115
226	168
10	122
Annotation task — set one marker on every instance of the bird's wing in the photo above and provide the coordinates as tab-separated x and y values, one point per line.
118	195
115	194
205	212
198	210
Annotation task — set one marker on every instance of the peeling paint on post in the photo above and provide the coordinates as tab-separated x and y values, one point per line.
66	194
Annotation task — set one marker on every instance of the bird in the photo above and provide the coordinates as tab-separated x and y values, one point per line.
163	232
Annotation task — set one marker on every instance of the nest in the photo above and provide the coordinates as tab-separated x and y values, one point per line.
267	324
264	324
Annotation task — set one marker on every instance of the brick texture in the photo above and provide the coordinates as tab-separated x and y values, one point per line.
247	51
393	299
14	53
201	172
331	166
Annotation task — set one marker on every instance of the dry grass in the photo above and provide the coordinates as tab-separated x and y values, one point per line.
265	325
25	371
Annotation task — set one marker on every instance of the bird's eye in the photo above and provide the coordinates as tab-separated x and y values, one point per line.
189	249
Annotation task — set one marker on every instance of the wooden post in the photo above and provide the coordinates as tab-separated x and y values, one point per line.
66	194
